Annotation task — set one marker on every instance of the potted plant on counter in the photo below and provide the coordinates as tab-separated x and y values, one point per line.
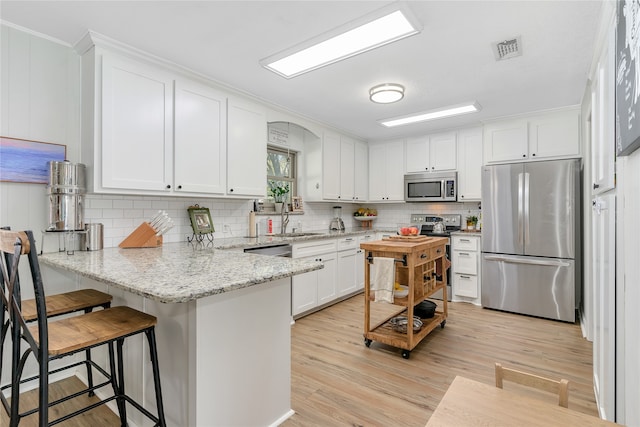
279	191
472	220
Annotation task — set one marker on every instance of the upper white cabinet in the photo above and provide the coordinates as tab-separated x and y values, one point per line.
246	149
136	144
360	172
386	171
331	166
469	165
149	128
541	136
431	153
602	120
335	169
200	138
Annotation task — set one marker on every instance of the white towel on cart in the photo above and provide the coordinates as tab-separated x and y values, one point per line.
383	279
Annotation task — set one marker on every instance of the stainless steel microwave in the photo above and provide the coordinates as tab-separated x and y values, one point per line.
431	187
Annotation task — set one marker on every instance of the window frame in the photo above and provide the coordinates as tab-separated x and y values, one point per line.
293	169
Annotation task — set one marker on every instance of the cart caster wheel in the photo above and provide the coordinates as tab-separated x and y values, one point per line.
367	342
444	322
406	354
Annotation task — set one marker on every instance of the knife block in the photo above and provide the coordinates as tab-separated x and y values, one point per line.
142	237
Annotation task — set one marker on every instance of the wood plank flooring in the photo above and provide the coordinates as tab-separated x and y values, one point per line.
338	381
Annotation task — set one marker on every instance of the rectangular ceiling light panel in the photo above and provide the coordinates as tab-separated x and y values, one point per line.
343	43
440	113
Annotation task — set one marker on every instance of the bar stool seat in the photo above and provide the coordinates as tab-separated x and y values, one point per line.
49	340
66	303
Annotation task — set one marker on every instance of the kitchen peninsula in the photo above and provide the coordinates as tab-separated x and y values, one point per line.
224	320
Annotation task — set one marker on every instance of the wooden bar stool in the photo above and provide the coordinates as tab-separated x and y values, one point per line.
50	340
85	300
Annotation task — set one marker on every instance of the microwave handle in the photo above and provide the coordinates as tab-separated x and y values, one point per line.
443	188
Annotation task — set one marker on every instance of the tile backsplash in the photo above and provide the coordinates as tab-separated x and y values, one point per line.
123	214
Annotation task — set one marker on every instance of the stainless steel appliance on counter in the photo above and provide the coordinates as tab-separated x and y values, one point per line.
431	187
441	226
531	253
336	223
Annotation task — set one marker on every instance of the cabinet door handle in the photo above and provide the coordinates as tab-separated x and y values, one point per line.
465	277
463	253
596	185
465	240
423	256
348	239
231	190
179	187
168	186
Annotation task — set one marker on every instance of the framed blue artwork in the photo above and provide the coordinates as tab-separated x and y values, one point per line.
27	161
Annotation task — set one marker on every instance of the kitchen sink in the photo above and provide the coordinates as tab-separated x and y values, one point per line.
297	234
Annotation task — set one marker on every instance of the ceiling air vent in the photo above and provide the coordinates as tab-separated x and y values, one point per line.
507	49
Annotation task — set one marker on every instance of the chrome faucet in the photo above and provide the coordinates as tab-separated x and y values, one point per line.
284	218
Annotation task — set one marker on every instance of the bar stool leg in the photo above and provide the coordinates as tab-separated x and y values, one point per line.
14	416
121	400
114	383
151	337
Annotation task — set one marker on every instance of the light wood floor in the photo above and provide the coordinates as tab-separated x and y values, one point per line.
338	381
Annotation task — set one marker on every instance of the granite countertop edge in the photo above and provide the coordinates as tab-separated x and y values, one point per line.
182	272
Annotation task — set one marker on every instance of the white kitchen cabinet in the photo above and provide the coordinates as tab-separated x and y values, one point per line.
386	171
470	165
246	149
360	259
506	141
465	268
331	166
135	150
603	120
604	298
543	136
360	171
341	171
314	288
347	170
432	153
347	258
200	122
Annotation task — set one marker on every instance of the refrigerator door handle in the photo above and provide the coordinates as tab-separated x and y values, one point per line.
520	260
520	214
526	208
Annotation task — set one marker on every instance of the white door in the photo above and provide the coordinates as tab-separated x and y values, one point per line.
604	286
200	139
470	165
347	272
347	172
246	149
331	166
443	152
327	278
137	131
360	171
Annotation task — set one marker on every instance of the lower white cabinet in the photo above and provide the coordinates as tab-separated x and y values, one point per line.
360	258
317	287
341	277
465	268
346	280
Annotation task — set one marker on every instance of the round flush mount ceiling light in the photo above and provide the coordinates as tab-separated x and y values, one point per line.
386	93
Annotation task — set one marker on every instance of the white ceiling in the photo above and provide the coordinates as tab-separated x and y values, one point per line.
448	63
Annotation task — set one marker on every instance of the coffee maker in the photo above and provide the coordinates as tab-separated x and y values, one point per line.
336	223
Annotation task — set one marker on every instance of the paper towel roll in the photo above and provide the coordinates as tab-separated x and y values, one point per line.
252	224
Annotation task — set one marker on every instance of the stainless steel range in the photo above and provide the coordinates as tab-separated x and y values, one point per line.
441	225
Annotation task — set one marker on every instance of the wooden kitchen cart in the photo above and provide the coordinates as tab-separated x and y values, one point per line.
417	261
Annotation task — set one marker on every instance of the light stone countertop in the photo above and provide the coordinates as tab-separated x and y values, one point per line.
181	272
177	272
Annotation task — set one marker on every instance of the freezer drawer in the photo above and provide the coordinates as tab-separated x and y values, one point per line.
543	287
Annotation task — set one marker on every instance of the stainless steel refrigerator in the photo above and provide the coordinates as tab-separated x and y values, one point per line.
531	251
